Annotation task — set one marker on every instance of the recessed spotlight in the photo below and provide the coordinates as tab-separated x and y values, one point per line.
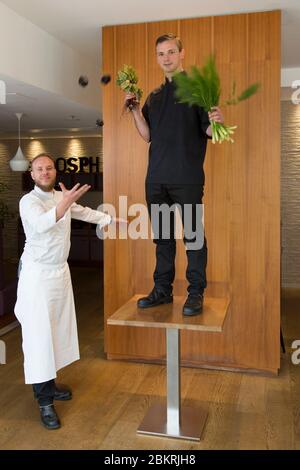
83	81
105	79
99	123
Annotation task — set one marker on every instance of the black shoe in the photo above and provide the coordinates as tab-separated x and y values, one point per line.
49	417
193	305
155	297
62	393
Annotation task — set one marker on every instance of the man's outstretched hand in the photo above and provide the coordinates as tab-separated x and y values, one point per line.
69	197
75	193
119	221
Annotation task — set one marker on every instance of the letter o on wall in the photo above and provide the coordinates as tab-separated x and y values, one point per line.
58	166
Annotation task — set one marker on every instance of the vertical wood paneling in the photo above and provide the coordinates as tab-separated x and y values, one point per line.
196	38
264	151
109	170
241	194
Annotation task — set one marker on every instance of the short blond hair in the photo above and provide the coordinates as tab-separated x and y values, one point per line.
43	154
169	37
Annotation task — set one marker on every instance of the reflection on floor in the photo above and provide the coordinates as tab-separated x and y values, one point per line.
111	398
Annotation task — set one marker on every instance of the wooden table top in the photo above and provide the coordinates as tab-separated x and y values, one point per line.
170	315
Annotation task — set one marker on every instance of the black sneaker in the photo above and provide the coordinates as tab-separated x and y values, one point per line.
155	298
193	305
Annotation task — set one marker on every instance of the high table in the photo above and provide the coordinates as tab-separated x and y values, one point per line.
173	420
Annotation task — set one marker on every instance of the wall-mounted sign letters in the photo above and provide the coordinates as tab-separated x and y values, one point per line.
78	164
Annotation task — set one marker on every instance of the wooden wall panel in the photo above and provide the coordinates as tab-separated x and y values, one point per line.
264	66
109	140
242	191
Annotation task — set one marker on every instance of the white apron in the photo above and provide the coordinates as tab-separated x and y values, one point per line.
45	304
45	308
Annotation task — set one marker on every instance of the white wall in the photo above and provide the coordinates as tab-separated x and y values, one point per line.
33	56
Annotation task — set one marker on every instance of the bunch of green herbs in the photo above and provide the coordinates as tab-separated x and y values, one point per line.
202	87
127	79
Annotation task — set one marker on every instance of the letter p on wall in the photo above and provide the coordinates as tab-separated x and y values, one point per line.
2	352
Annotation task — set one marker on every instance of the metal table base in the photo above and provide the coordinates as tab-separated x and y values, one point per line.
173	420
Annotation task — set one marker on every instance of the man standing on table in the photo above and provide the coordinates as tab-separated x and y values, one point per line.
45	304
178	137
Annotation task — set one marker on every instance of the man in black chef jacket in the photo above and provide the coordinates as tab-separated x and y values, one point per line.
178	137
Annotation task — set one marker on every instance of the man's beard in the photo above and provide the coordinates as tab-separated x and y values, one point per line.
47	188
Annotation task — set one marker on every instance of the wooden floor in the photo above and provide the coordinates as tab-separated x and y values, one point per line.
111	398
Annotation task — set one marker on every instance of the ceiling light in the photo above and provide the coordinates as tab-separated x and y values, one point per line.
19	162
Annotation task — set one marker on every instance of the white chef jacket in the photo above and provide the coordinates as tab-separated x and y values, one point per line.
45	303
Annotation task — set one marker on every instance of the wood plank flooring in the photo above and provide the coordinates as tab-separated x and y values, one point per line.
112	397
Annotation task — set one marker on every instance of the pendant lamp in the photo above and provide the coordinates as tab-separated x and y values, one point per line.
19	162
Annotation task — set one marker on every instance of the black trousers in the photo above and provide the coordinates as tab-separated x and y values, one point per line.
187	197
44	392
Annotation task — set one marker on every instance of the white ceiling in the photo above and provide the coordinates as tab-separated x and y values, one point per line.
78	24
42	109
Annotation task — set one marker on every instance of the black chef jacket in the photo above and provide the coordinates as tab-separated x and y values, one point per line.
178	138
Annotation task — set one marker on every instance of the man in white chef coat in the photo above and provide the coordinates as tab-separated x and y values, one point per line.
45	304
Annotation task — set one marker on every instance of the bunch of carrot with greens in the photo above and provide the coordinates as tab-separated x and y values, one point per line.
202	87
